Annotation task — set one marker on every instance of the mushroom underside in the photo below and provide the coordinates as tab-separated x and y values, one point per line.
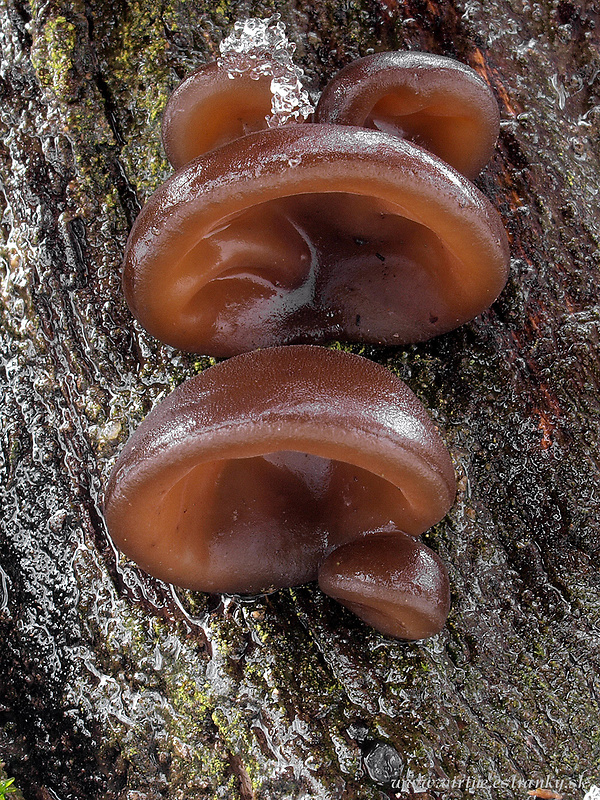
251	525
437	129
312	267
431	100
209	109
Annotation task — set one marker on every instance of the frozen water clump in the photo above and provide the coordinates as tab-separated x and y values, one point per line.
261	47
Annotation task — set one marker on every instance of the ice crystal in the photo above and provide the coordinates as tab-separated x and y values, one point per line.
261	47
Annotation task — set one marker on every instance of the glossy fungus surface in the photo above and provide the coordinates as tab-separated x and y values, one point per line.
434	101
311	232
284	466
209	108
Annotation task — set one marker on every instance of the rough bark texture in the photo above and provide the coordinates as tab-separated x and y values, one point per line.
115	686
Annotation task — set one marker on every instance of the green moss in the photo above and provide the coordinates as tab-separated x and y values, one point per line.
200	364
138	74
188	698
7	786
223	7
53	56
348	347
143	54
64	65
195	763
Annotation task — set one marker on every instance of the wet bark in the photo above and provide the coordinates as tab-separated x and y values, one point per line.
115	686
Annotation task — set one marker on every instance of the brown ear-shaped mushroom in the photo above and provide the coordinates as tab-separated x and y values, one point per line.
312	232
208	109
278	464
436	102
392	581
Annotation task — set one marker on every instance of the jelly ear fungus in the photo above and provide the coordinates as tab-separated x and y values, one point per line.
318	231
333	232
434	101
296	463
288	465
209	109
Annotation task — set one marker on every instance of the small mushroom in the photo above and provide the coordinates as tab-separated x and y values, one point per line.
285	465
209	108
392	581
311	232
434	101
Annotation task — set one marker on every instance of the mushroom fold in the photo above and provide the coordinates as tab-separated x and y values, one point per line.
289	465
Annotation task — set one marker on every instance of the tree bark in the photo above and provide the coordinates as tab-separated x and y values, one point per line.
113	685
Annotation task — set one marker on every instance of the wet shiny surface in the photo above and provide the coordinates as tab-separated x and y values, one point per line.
311	232
209	109
251	474
434	101
393	582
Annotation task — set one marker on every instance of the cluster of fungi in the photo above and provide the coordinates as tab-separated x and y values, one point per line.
289	462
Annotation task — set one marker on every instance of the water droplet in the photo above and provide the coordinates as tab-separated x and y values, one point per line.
260	47
383	763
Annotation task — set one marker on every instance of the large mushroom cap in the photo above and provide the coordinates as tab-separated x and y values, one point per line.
248	476
312	232
434	101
